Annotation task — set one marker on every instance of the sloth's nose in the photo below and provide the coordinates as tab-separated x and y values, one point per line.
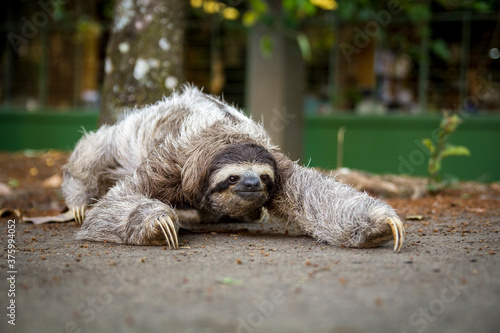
251	184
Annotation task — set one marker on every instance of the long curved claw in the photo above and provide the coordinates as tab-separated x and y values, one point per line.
398	232
174	233
164	227
82	214
168	228
79	214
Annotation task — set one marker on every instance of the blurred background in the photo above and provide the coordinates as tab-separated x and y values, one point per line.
348	83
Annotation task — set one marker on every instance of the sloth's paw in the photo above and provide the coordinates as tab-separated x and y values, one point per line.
168	229
385	227
79	214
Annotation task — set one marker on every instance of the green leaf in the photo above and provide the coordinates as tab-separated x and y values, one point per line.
259	6
266	46
249	18
13	183
449	124
308	8
30	153
230	281
289	5
418	12
428	143
433	188
455	151
440	48
481	6
305	46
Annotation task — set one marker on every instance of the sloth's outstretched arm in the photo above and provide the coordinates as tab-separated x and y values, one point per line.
333	212
127	214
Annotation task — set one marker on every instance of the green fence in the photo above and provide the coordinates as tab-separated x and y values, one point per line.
392	144
389	144
44	130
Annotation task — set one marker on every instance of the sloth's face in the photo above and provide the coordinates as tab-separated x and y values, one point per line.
241	189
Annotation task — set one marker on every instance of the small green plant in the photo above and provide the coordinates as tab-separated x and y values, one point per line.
442	149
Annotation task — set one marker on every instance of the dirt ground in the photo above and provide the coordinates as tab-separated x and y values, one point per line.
261	278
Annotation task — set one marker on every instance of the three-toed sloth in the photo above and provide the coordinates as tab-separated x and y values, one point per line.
125	182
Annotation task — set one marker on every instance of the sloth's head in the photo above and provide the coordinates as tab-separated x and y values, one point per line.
241	180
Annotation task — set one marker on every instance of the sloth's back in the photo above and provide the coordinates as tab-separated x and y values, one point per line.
179	119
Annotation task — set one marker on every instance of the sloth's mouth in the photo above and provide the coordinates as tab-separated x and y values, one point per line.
250	195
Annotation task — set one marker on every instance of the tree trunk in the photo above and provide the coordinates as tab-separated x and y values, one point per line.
144	57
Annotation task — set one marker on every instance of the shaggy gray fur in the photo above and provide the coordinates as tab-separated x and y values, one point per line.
130	175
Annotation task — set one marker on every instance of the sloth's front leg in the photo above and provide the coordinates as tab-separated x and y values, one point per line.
122	216
334	212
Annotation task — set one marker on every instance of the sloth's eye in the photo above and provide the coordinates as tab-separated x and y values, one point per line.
233	179
265	178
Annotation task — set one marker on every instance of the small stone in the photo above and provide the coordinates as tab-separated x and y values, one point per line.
55	181
5	189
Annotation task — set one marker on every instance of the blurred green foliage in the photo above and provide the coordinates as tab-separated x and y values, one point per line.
289	18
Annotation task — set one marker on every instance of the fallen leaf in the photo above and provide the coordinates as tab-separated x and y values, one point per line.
64	217
414	217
